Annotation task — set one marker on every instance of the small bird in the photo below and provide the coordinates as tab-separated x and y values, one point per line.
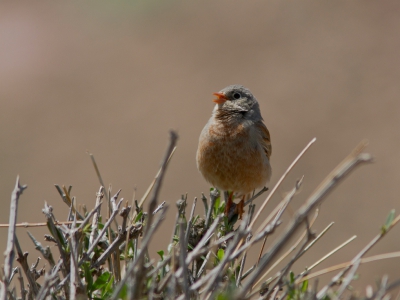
235	146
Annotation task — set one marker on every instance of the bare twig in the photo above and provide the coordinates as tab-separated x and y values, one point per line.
98	174
243	261
21	284
182	261
154	199
286	268
248	238
325	256
348	279
339	173
96	215
160	207
385	288
214	194
49	281
281	180
133	264
286	202
39	224
108	223
357	258
134	231
22	258
204	199
346	264
203	240
150	188
96	241
9	253
64	193
216	274
287	253
189	223
61	243
46	252
262	191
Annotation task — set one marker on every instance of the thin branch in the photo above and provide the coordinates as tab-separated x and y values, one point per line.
262	191
203	240
348	279
182	260
281	180
133	264
290	250
61	243
46	252
21	284
98	174
288	266
216	274
134	231
48	281
103	231
22	258
248	238
153	201
346	264
150	188
325	256
96	215
189	223
64	193
337	175
214	194
39	224
286	202
9	253
204	199
375	240
160	207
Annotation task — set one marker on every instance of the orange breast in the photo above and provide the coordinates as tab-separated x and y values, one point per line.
230	160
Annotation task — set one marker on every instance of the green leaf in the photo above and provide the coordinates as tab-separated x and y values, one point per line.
195	219
123	293
161	253
88	276
108	288
220	254
304	286
389	219
87	228
292	277
216	206
139	216
101	281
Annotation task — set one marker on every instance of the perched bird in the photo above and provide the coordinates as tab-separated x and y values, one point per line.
235	146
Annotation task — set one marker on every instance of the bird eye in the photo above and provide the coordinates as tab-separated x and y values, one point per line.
237	96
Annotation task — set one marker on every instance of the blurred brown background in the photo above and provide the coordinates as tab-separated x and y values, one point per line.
113	77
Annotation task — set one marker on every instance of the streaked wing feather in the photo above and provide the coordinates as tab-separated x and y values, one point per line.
266	138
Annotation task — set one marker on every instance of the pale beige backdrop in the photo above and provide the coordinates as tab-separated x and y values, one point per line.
113	78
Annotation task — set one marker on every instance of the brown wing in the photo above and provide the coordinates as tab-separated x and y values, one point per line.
266	139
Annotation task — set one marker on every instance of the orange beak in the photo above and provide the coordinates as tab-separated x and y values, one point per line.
220	98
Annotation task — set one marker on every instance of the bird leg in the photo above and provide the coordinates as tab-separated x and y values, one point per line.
240	207
229	203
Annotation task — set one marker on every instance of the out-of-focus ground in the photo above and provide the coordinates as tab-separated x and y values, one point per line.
113	77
